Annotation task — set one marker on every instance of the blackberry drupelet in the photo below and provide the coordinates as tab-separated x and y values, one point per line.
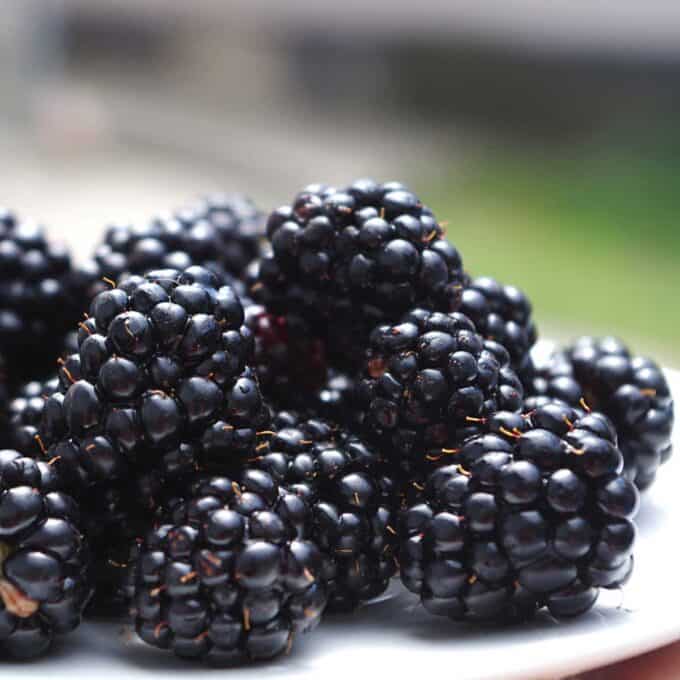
160	387
350	259
38	299
221	232
352	501
503	314
428	384
44	558
537	514
224	577
333	400
631	390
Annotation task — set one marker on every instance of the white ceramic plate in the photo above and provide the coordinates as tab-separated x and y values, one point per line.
395	638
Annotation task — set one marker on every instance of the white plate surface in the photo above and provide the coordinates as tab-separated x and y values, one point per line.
395	638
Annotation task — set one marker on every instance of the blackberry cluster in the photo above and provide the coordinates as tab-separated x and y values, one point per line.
224	576
221	232
503	314
38	299
352	258
631	390
159	386
412	430
537	514
352	500
429	383
44	558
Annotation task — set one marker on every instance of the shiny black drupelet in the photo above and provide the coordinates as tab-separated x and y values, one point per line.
534	513
223	576
631	390
352	499
44	558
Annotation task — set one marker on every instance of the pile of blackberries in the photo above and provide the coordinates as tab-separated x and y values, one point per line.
226	427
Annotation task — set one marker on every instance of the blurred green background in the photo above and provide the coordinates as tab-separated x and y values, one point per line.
590	233
547	138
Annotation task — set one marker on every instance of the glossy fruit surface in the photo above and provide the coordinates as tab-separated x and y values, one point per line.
428	384
631	390
224	578
352	500
535	513
44	558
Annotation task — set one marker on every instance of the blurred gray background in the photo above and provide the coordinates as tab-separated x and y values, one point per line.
544	134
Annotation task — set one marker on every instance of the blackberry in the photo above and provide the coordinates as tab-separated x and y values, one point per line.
537	514
428	384
160	385
38	298
631	390
44	558
224	578
221	232
503	314
352	501
350	259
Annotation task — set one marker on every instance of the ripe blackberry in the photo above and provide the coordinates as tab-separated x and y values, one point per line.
537	514
161	384
503	314
221	232
428	384
631	390
224	577
38	300
44	559
352	503
353	258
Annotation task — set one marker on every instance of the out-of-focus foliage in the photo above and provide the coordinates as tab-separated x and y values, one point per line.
592	234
